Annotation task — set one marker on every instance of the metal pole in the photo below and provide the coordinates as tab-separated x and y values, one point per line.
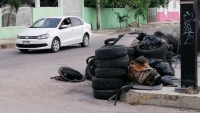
188	44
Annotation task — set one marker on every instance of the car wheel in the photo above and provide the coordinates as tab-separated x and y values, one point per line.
55	46
85	42
23	50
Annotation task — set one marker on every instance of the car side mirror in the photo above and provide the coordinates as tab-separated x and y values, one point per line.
65	26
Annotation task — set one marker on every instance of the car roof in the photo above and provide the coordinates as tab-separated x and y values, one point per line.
62	17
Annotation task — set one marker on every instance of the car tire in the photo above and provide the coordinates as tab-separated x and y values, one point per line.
104	94
55	46
110	41
107	84
23	50
131	51
114	62
85	42
111	72
170	47
159	53
175	43
88	71
111	51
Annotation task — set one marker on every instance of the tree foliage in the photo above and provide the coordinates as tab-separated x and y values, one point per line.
121	18
158	3
14	3
123	3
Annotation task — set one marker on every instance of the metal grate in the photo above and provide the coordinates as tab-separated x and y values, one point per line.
152	15
29	37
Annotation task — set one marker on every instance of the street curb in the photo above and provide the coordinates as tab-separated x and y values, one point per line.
185	101
7	46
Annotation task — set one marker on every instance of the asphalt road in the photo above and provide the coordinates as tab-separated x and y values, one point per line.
26	87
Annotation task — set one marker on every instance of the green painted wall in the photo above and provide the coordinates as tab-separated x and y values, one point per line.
46	12
10	32
108	17
0	20
90	17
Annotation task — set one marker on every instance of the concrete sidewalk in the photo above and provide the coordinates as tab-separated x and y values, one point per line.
10	43
165	97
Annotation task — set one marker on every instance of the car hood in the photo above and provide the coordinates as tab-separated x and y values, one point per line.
35	31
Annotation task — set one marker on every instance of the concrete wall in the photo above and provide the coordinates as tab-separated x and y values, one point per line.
11	32
108	17
72	7
172	12
90	17
46	12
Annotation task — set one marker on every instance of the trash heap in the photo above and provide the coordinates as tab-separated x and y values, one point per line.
145	64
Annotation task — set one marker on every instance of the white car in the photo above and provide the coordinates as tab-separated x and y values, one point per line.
53	33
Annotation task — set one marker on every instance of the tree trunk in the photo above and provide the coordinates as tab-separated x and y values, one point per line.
138	20
127	19
98	15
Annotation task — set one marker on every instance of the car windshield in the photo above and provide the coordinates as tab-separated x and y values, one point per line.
46	23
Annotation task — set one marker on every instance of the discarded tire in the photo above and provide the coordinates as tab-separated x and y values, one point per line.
131	51
159	53
170	47
89	69
107	83
110	41
175	43
103	94
112	51
169	55
114	62
72	75
110	72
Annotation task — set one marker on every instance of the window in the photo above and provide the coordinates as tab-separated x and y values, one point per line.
46	23
174	5
76	21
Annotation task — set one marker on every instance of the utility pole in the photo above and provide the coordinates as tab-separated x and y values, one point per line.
189	34
98	15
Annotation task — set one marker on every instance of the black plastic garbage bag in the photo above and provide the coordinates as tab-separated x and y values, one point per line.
170	81
150	42
159	34
163	68
141	36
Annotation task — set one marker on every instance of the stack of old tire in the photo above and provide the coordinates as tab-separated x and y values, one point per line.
169	54
111	70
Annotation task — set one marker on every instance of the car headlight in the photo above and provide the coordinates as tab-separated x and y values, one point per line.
44	36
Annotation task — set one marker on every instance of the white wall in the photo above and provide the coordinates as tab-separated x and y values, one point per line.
171	7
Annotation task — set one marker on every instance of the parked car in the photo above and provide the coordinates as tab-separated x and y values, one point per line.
53	33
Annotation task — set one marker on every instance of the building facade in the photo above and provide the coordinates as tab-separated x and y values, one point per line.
169	13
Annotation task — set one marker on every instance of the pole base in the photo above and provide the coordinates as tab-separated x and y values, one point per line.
188	90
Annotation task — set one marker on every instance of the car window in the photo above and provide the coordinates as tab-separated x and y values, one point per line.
66	21
76	21
46	23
